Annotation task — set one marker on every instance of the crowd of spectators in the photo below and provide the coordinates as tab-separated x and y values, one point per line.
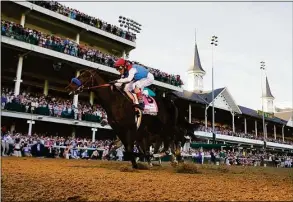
228	131
70	47
84	18
18	144
52	106
244	158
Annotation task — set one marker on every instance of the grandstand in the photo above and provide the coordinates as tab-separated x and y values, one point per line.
44	45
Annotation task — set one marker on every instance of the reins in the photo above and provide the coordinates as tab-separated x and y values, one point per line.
93	78
99	86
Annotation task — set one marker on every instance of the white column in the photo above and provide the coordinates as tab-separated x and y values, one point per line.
283	137
73	132
77	38
30	126
18	76
275	132
94	134
124	54
255	123
92	97
46	87
233	122
12	128
245	126
189	113
164	95
208	141
22	20
75	97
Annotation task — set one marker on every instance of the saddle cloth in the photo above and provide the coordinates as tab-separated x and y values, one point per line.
150	104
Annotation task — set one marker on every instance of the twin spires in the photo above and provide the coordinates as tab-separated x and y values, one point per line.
195	82
195	73
267	92
196	62
268	98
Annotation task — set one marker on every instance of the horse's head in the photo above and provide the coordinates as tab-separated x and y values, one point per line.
84	80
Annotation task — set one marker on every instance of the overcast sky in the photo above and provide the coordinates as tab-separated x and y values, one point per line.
248	33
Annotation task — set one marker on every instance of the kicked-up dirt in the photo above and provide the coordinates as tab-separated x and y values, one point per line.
36	179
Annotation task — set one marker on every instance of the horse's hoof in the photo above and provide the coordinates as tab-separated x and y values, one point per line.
174	163
135	166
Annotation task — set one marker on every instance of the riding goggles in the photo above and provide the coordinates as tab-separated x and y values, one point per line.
119	67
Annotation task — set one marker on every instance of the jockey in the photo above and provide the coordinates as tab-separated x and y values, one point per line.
136	76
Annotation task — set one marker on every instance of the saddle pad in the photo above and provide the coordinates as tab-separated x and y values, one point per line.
150	105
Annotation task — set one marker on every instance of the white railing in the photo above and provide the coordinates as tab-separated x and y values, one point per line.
241	140
52	119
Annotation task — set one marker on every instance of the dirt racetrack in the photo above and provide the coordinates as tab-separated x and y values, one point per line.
72	180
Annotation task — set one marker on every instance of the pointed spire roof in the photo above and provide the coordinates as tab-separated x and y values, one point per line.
196	63
268	92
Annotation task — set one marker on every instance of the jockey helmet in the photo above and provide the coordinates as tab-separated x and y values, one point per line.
120	63
123	64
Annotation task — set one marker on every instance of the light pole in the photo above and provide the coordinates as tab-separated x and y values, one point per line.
130	25
262	68
214	42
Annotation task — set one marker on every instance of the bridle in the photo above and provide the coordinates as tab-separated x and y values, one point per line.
92	79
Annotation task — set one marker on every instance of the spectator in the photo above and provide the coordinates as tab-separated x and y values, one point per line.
95	155
17	148
120	153
27	150
213	157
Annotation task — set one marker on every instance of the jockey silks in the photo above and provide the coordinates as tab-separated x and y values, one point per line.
135	73
141	72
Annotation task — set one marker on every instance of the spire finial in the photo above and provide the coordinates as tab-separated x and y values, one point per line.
195	35
196	62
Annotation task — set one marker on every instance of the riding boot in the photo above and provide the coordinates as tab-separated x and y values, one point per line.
140	100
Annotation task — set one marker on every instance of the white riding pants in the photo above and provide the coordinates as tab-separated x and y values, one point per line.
142	83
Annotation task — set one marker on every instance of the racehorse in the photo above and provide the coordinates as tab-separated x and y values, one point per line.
124	119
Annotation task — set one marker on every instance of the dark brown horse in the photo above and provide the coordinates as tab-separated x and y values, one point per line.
122	117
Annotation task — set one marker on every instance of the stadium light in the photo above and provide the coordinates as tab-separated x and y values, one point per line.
262	68
214	42
129	24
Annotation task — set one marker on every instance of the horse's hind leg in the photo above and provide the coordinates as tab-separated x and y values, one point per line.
173	155
146	149
129	149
